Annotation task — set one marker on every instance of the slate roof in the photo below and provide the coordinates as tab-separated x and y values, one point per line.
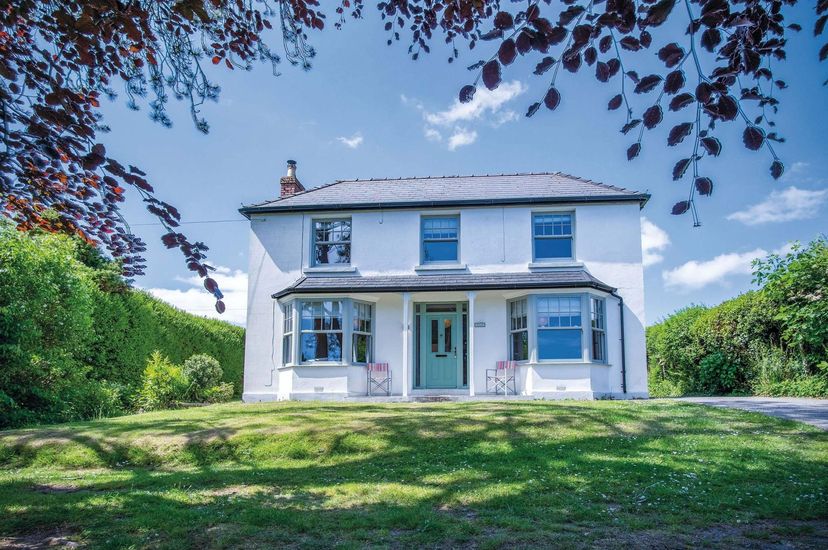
570	278
448	191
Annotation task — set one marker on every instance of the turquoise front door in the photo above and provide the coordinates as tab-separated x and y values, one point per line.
442	350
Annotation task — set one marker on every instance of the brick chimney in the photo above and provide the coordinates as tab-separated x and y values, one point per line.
289	184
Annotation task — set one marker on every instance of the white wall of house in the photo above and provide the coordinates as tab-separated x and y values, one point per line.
492	239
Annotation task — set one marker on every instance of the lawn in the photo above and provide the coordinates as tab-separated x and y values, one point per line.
485	474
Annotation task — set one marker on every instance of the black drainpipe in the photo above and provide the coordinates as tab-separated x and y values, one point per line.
623	351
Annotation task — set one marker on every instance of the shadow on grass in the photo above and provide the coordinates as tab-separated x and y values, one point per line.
471	474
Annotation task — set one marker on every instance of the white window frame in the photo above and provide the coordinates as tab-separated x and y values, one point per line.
343	307
570	236
288	333
423	240
598	326
579	328
355	306
314	243
511	304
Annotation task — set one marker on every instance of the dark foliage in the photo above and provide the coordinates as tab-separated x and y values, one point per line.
59	59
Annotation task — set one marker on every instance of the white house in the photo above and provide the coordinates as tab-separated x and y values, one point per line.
441	278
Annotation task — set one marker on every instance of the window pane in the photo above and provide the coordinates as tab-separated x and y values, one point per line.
333	253
553	224
447	335
435	335
321	346
440	251
553	248
287	343
440	228
598	346
362	348
520	345
559	344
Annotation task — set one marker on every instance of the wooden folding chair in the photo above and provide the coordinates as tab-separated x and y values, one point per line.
379	378
502	377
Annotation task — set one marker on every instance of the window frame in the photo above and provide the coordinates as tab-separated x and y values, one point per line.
579	328
355	304
570	236
510	304
594	328
301	332
288	333
423	240
314	243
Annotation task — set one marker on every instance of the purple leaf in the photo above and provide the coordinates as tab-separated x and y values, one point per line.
467	93
753	137
680	208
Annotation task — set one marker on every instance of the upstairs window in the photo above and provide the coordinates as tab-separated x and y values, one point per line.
559	327
440	239
331	242
362	341
552	235
518	330
599	329
321	328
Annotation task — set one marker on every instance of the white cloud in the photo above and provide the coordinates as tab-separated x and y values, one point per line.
196	300
461	137
694	275
783	206
485	102
351	142
487	107
653	240
432	135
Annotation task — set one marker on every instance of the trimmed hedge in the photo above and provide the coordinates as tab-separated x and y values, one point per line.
75	338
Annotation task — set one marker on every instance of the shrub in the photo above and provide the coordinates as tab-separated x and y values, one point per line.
75	338
164	384
717	374
797	284
219	393
203	373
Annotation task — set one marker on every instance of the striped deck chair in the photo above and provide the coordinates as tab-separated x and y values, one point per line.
502	377
379	378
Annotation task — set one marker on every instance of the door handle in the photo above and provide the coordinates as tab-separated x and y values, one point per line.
455	351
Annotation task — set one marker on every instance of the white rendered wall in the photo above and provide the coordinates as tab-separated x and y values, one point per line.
492	239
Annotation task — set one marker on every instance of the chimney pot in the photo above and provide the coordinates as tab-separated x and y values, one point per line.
289	185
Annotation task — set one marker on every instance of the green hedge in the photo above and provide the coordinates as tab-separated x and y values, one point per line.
773	341
75	339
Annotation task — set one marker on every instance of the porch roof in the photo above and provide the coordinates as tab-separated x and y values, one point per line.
569	278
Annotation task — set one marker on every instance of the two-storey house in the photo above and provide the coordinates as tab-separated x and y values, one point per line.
442	277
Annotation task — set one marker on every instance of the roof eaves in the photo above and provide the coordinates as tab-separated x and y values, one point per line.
641	198
528	285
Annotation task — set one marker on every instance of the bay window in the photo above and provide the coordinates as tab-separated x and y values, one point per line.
287	334
559	332
321	329
599	329
518	330
362	349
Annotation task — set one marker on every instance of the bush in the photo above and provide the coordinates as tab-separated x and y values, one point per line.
717	374
75	338
164	384
203	373
219	393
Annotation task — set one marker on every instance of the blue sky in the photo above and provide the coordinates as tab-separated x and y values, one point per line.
366	110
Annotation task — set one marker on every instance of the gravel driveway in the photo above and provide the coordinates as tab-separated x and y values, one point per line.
810	411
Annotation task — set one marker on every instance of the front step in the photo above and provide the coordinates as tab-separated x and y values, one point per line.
434	398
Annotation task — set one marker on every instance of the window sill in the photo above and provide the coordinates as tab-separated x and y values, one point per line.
566	362
441	267
554	264
330	269
314	365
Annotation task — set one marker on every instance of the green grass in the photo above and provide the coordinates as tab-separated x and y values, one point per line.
486	474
